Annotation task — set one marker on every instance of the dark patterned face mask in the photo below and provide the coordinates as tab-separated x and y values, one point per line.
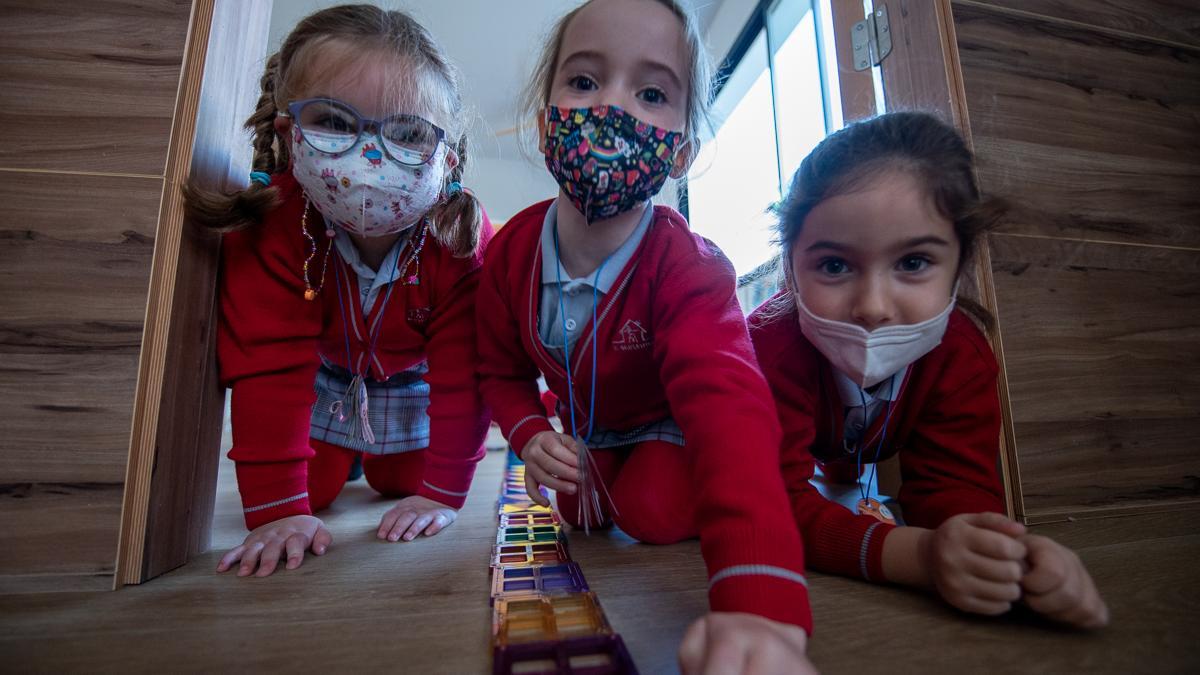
606	160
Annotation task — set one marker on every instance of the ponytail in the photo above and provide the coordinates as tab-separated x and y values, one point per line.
221	212
458	219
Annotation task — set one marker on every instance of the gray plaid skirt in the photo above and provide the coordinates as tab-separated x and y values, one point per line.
396	410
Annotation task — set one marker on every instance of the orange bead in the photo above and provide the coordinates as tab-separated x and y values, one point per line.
310	294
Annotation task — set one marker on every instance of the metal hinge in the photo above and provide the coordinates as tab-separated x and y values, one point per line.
872	39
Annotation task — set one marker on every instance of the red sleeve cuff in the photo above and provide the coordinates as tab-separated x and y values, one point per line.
272	491
525	429
853	546
758	572
448	485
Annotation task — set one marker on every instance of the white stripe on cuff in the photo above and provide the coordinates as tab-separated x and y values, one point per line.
862	550
750	570
445	492
272	505
525	419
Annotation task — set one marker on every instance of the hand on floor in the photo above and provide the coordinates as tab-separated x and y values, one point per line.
975	561
551	459
287	537
413	516
734	643
1058	586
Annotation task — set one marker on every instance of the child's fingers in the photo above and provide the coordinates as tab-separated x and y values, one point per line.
548	479
995	545
250	559
419	523
532	489
551	465
321	540
227	560
439	523
991	569
386	523
691	650
997	523
271	554
295	546
406	518
1047	572
564	449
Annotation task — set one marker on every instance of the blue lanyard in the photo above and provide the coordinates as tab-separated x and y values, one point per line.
562	316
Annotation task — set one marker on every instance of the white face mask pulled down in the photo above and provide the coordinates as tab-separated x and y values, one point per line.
870	357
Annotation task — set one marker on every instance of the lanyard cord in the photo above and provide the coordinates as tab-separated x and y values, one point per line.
562	315
378	328
865	490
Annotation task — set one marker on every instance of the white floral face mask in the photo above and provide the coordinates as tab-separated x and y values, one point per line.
363	191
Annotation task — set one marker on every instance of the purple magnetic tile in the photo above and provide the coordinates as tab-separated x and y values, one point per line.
569	657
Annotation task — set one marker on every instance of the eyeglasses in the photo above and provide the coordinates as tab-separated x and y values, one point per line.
333	127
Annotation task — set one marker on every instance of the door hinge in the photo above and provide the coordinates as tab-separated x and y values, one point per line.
871	39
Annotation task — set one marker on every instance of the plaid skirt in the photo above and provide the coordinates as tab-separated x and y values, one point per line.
396	410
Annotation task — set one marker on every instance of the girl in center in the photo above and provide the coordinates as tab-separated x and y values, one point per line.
632	319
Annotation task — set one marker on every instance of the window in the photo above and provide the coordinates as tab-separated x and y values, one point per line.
777	100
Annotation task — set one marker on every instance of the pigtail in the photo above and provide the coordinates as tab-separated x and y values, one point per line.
458	219
221	212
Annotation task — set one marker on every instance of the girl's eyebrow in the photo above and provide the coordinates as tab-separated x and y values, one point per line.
663	69
825	244
581	56
922	241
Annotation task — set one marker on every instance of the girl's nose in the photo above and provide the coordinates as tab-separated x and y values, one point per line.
873	305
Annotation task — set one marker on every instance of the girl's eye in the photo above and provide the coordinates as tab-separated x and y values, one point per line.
833	266
583	83
653	96
913	263
335	123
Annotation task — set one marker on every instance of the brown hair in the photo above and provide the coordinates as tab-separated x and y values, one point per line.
915	143
537	92
457	220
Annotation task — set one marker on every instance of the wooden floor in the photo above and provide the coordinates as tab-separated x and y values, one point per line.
423	607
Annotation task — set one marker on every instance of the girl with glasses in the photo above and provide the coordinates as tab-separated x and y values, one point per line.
348	287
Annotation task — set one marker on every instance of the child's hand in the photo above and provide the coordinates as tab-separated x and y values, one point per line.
551	459
287	537
413	515
1059	587
735	643
975	562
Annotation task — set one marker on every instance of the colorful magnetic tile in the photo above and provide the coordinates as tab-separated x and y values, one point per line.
517	507
600	655
520	534
529	518
525	555
508	582
542	618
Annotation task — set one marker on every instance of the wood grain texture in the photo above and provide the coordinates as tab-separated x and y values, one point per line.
74	282
856	88
180	500
58	536
89	86
423	607
1103	357
1167	20
1096	135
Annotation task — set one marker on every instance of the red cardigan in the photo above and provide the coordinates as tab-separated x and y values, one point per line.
673	342
945	425
271	338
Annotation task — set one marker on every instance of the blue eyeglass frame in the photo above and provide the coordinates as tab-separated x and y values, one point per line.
293	113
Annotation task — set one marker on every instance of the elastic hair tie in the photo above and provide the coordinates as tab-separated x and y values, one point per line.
453	189
261	177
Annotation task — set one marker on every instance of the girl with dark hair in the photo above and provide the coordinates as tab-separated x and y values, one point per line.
869	357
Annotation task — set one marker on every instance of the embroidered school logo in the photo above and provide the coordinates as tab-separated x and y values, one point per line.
419	315
632	337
